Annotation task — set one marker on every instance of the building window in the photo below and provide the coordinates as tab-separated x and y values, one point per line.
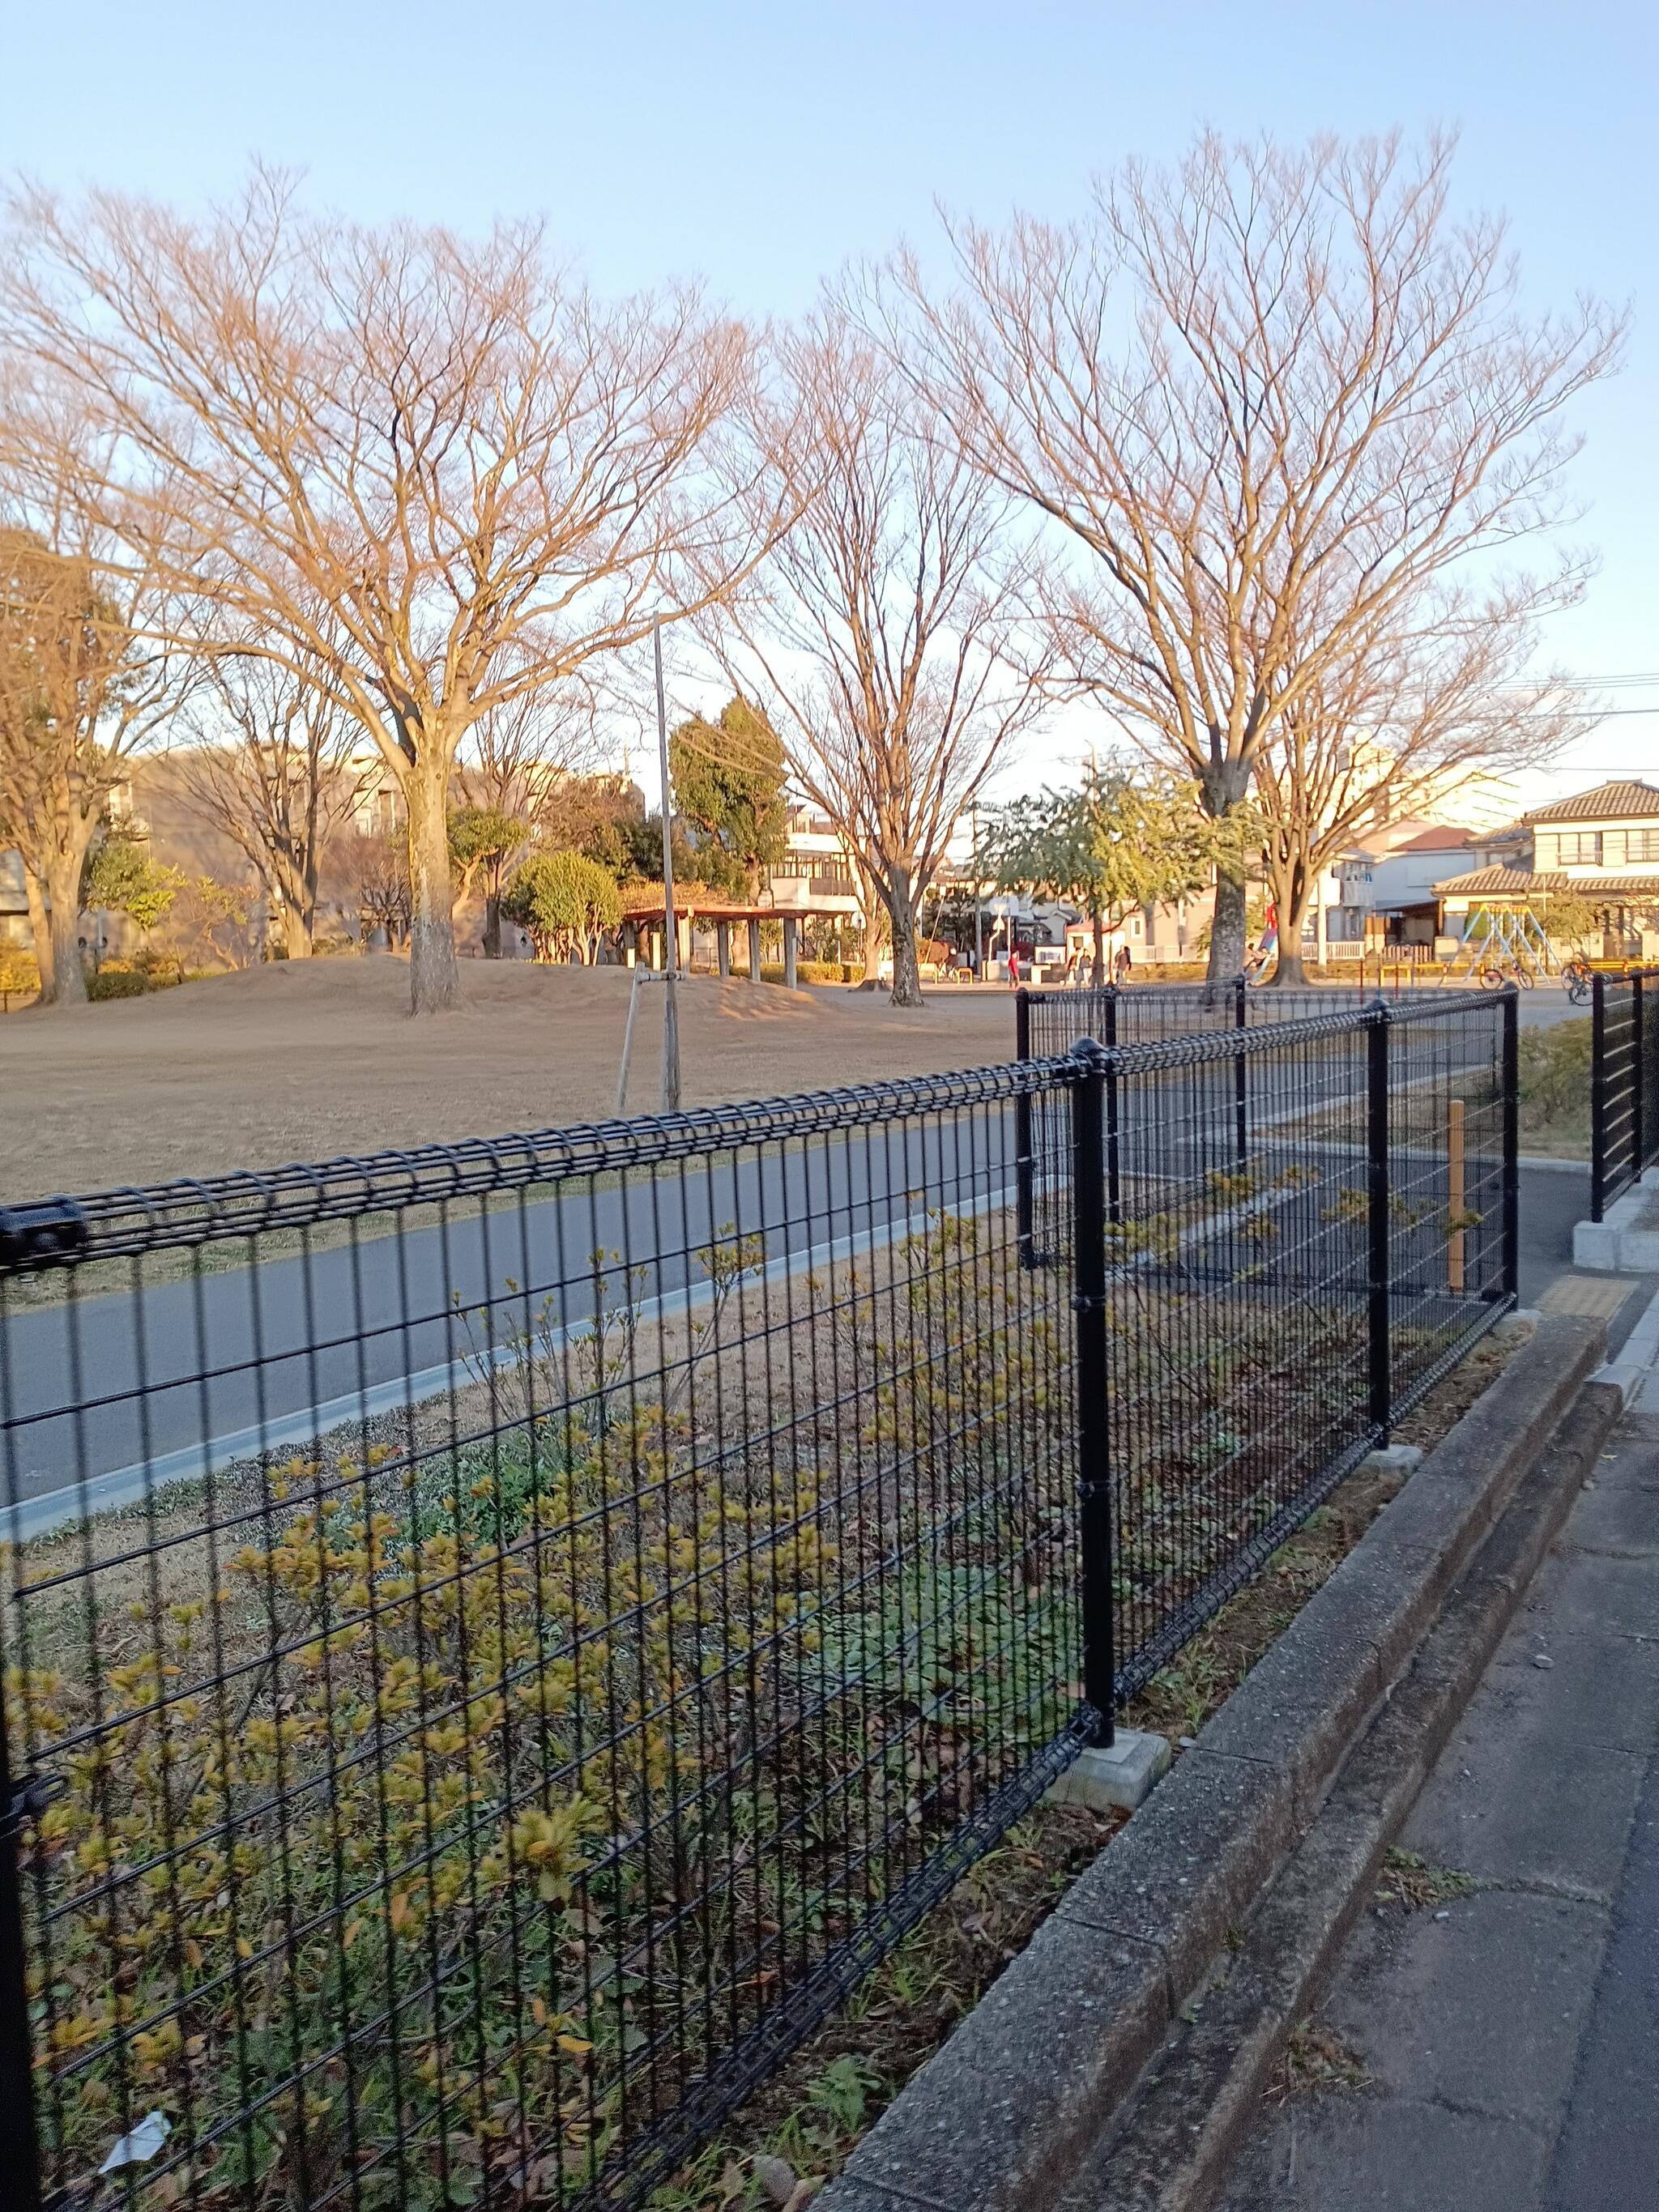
1579	849
1623	848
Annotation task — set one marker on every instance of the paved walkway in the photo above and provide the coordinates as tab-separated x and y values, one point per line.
1511	2028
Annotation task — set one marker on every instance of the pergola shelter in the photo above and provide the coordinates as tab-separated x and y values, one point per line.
644	925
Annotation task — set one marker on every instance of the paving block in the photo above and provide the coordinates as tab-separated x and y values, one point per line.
1368	2154
1481	2009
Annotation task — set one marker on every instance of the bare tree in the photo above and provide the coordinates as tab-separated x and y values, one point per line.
1405	721
878	636
429	475
81	693
274	774
520	757
1231	385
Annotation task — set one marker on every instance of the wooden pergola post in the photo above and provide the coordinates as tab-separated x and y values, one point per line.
790	927
754	950
723	947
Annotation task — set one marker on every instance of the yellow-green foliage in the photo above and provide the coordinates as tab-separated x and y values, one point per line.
469	1710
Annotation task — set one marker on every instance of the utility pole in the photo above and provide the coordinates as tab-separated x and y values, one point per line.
670	1016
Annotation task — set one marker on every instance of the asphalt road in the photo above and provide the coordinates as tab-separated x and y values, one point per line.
102	1397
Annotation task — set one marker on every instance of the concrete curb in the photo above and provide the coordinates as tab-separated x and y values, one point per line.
1005	2114
1170	2147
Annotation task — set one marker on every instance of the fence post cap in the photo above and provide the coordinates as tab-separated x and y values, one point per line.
1095	1057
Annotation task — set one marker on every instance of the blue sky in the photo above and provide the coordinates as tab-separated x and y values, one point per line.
759	146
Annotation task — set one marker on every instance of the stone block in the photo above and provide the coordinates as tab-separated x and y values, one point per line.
1000	2116
1190	1864
1118	1777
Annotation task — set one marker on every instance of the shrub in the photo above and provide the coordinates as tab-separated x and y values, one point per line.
561	898
124	983
1555	1073
18	972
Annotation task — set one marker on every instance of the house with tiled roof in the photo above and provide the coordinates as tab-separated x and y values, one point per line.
1600	847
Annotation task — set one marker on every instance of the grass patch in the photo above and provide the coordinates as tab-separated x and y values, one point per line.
1316	2062
1410	1882
1183	1695
798	2132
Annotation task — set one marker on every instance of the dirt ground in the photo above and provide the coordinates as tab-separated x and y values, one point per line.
310	1059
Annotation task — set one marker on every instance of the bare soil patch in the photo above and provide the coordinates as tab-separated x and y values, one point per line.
311	1058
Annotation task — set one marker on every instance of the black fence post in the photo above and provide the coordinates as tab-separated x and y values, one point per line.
1114	1182
1511	1078
1378	1194
1598	1094
20	2148
1637	1088
1093	1415
1241	1103
1024	1167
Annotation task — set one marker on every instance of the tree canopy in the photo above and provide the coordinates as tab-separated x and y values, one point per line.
1119	840
121	877
728	778
562	899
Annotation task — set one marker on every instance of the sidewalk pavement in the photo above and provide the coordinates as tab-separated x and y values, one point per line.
1508	2023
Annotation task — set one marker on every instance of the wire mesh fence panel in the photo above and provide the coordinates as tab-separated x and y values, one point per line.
1307	1224
500	1639
1623	1067
1449	1186
515	1631
1146	1013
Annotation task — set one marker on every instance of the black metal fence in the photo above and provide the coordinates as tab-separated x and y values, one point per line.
1624	1082
1049	1022
500	1639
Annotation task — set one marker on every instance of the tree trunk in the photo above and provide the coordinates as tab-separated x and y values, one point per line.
435	981
40	930
63	871
492	928
1223	790
298	931
901	915
1227	931
871	900
1099	977
1292	888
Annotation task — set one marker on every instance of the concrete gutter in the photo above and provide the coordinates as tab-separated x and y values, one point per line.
1010	2111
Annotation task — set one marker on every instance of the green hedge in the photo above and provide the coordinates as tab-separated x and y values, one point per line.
121	983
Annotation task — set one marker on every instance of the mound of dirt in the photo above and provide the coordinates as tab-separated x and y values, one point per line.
305	1059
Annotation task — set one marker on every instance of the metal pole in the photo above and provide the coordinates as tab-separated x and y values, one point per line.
1094	1442
1455	1270
628	1039
1114	1189
979	907
670	1012
1376	1148
1241	1113
20	2147
1025	1165
1511	1076
1636	1087
1598	1094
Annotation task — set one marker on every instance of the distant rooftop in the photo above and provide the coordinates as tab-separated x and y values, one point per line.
1608	802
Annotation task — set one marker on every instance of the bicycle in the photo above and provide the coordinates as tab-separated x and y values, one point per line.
1576	974
1497	973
